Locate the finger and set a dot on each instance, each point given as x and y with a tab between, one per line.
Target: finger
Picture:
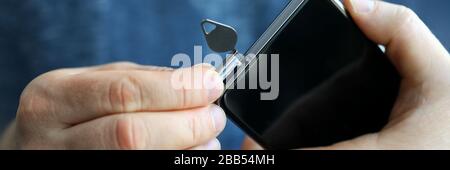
211	145
414	50
176	130
90	95
250	144
41	96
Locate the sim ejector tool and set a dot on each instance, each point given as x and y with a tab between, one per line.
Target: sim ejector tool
223	38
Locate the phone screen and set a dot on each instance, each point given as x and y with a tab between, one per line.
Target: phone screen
334	84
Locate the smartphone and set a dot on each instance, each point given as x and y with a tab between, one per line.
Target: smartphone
334	83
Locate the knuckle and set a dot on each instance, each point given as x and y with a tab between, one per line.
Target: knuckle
125	93
32	118
127	134
31	105
37	103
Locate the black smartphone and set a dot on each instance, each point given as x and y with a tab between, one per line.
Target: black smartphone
334	83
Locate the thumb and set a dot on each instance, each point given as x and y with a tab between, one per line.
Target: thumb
411	46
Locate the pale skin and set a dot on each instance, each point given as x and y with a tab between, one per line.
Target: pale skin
420	118
128	106
118	106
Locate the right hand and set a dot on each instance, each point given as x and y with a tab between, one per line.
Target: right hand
117	106
420	118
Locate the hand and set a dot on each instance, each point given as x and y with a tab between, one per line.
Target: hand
420	118
118	106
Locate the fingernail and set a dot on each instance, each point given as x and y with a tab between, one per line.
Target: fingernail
213	145
214	85
218	117
362	6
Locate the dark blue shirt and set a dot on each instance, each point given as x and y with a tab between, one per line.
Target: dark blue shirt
37	36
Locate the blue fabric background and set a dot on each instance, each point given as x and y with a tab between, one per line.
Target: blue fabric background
37	36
